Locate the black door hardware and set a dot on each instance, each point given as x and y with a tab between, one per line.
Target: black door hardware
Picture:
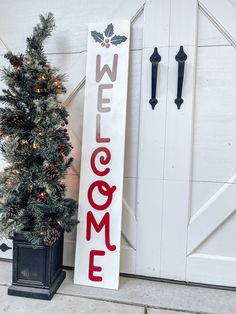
155	59
181	57
4	247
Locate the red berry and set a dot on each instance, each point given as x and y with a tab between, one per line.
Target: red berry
107	41
107	45
65	130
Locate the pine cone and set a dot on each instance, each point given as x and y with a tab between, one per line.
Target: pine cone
51	236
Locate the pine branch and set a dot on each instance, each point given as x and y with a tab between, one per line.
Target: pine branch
41	32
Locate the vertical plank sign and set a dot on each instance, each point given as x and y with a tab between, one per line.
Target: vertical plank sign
101	182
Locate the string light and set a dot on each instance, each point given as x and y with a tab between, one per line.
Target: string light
16	171
24	142
13	94
35	145
8	182
43	77
40	133
57	82
42	195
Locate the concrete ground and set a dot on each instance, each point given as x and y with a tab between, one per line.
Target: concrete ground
135	296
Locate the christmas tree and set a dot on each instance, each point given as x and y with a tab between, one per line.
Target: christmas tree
35	144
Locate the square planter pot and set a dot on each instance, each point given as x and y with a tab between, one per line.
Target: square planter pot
37	273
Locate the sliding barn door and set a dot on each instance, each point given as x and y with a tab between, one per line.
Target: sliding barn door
211	246
199	219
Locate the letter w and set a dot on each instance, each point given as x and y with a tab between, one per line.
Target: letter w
106	69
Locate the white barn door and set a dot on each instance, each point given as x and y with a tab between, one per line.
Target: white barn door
199	213
212	227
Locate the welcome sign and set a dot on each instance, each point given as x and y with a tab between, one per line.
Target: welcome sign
100	202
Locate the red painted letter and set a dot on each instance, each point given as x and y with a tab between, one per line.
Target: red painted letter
92	267
100	139
103	161
105	189
98	227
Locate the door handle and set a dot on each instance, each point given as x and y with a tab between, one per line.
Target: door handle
181	57
154	59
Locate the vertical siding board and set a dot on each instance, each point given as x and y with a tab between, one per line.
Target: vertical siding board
178	145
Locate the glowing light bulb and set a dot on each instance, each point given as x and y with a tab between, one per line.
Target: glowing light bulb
13	94
35	145
16	171
8	182
42	195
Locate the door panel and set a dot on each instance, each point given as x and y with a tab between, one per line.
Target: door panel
214	140
178	142
199	165
208	34
151	153
220	243
211	250
211	215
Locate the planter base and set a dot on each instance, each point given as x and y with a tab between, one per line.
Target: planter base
36	272
37	293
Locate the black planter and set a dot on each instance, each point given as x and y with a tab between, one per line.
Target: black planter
37	273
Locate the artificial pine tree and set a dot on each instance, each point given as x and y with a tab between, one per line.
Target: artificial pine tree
35	144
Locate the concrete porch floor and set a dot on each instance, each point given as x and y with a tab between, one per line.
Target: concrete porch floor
135	296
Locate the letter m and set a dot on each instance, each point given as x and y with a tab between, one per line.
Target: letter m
105	222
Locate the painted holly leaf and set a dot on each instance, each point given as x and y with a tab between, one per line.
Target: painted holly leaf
98	37
116	40
109	30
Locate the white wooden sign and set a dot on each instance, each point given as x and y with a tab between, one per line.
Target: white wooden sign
101	184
